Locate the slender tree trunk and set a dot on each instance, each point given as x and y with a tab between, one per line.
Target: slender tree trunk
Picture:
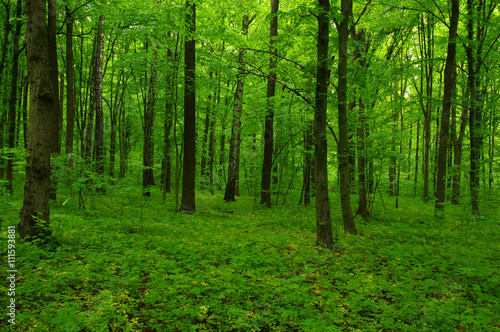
70	86
189	161
343	146
89	128
43	118
475	114
148	147
11	120
3	101
211	153
123	134
267	164
25	112
234	153
206	133
308	164
54	73
99	112
167	127
324	236
457	154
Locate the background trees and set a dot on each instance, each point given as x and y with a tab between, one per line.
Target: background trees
390	97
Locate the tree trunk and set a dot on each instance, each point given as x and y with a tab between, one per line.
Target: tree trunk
206	133
3	113
475	115
99	112
148	147
234	153
123	138
265	188
189	160
449	87
324	236
343	146
54	73
167	127
11	121
43	118
70	86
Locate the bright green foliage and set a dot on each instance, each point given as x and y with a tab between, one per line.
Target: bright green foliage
132	264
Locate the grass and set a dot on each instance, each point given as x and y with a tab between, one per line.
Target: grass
132	264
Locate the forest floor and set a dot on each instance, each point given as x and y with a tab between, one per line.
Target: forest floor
128	263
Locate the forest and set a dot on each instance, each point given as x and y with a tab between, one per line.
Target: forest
290	165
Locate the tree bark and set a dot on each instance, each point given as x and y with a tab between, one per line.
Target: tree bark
167	128
3	113
265	188
43	118
234	153
189	160
70	86
343	146
54	73
11	120
148	147
449	87
99	112
324	236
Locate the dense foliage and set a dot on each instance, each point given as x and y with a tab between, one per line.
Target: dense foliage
135	265
382	115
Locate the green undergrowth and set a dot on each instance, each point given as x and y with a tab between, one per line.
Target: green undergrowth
129	263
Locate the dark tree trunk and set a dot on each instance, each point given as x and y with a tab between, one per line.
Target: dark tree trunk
11	120
457	153
475	115
25	112
43	118
343	146
90	114
99	112
3	113
167	127
70	86
265	188
324	236
114	115
206	133
123	138
426	45
189	160
449	87
234	153
148	148
54	77
211	154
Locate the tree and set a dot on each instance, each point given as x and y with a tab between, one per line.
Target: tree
54	76
35	212
324	236
343	145
70	86
449	86
13	95
99	112
234	153
148	147
265	188
189	161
